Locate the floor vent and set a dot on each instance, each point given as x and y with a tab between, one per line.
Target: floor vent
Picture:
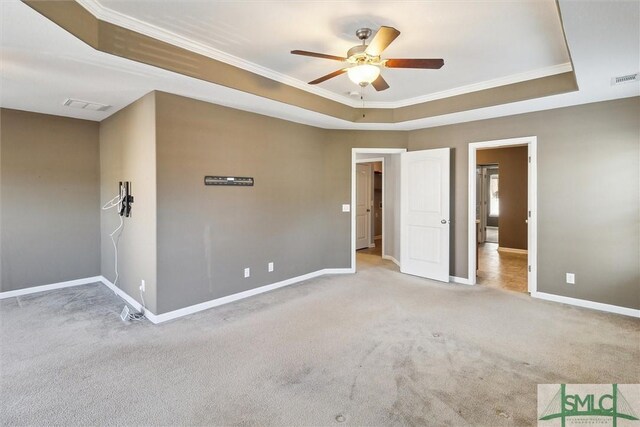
85	105
625	79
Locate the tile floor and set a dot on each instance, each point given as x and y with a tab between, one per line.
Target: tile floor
502	270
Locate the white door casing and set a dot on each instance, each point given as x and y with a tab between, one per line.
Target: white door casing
363	205
480	204
424	213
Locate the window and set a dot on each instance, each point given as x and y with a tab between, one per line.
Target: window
494	200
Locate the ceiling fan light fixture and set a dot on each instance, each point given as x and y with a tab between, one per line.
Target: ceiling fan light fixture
363	74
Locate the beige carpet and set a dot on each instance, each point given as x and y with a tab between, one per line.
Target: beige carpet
375	348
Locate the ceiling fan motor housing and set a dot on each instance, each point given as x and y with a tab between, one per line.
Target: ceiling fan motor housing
363	33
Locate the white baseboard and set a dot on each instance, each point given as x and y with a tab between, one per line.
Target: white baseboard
52	286
159	318
337	271
459	280
587	304
512	250
129	299
390	258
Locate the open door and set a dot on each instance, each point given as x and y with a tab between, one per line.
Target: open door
363	205
424	214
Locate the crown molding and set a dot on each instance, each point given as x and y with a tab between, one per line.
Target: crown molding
475	87
125	21
108	15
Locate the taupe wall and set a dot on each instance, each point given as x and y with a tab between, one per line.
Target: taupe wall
513	170
588	187
292	216
49	199
128	153
588	221
207	235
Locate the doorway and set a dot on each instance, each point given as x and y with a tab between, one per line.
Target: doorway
416	191
369	208
376	232
488	202
502	214
364	205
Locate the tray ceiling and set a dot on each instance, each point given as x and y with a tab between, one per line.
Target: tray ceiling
41	65
484	43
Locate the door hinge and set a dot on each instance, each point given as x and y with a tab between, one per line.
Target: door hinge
529	269
529	159
529	214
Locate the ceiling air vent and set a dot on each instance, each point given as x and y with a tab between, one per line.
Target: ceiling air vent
86	105
625	79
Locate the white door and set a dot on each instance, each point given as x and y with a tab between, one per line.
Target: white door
363	205
424	214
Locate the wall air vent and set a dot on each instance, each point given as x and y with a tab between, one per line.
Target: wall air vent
625	79
86	105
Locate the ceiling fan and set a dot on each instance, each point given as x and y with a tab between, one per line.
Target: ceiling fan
366	61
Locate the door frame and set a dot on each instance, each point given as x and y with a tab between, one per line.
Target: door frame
354	162
532	197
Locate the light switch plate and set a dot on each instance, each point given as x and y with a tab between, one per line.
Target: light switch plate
571	278
346	208
247	272
270	267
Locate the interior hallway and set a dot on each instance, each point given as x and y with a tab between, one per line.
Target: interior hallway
503	270
373	348
491	234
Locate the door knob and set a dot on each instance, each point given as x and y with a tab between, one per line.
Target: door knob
368	210
444	221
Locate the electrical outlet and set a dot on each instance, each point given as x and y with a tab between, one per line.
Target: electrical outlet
346	208
247	272
124	315
571	278
142	286
270	267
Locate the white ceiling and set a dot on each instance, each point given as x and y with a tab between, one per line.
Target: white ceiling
41	65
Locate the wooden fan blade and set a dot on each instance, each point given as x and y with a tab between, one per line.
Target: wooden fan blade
328	76
380	84
414	63
317	55
382	40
